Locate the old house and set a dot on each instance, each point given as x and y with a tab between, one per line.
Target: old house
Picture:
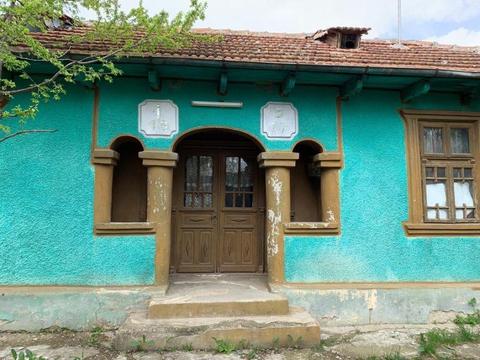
341	170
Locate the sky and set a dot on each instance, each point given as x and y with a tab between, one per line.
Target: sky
443	21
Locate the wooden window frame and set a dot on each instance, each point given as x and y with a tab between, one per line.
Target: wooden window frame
415	121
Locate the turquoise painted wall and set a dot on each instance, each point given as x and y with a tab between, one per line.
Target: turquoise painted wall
374	203
119	110
46	207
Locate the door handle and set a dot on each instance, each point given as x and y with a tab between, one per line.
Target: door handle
214	218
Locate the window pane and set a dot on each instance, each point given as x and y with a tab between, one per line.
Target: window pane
457	172
228	200
191	170
188	200
207	200
433	140
468	172
239	200
442	214
436	194
463	193
206	173
441	172
231	169
246	181
461	214
248	200
459	140
197	200
430	172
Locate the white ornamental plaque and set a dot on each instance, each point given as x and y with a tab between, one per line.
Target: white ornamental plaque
279	120
158	118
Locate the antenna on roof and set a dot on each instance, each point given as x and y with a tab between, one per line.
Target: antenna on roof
399	14
399	44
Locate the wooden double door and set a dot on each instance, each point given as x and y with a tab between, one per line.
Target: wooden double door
218	212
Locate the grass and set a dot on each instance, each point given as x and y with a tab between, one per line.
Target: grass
187	347
436	338
96	336
392	356
142	344
224	346
25	355
469	319
294	343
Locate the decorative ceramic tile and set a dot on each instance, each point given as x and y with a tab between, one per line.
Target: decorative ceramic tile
279	121
158	118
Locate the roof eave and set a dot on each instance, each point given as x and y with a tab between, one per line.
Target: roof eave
364	70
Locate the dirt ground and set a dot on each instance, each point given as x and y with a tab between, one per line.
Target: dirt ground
365	342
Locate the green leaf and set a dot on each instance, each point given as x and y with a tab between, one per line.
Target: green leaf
109	24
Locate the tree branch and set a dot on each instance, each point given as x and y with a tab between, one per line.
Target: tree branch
26	132
89	60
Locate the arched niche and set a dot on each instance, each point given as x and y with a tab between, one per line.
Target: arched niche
129	187
305	183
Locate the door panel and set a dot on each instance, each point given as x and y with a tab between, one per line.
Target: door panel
196	221
228	247
205	249
186	247
247	248
238	218
195	251
218	184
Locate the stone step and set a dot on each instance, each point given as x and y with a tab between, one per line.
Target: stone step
297	328
213	297
165	308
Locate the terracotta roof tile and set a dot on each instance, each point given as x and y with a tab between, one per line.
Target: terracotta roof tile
301	49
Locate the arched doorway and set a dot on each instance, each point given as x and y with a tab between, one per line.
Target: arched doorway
218	204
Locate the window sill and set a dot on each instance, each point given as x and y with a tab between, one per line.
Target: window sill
435	229
124	228
311	228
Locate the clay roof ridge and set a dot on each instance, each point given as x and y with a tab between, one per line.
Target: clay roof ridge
249	33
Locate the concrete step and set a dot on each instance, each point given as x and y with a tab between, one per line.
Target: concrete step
177	308
297	328
208	296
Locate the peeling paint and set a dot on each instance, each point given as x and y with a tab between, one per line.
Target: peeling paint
339	307
330	216
372	299
276	187
275	222
274	216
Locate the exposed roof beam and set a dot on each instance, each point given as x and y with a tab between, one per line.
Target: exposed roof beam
288	84
351	87
223	83
415	90
154	80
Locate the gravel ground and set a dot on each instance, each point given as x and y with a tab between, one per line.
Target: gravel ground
365	342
